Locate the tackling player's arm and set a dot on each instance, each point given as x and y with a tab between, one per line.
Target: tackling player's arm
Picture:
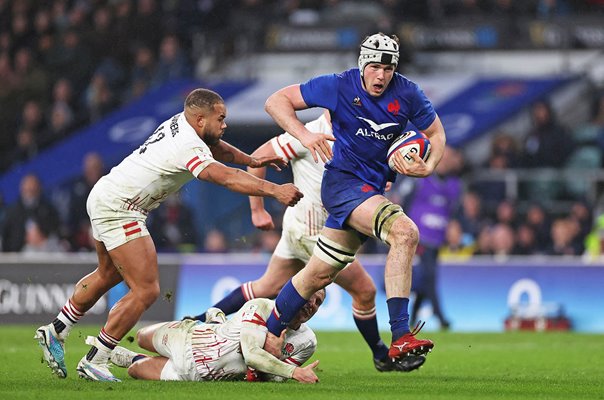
260	217
224	152
282	106
252	341
241	182
302	353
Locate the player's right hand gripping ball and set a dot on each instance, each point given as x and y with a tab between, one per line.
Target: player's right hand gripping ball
409	142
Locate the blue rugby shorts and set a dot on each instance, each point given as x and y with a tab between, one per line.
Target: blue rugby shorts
341	193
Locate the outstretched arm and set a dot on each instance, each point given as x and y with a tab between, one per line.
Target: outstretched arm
242	182
225	152
252	340
282	106
260	217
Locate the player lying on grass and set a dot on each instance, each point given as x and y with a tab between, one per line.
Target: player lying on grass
224	350
301	226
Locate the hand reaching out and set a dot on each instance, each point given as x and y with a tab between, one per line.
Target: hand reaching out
275	162
318	143
306	374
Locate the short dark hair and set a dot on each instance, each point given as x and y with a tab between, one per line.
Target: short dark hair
203	98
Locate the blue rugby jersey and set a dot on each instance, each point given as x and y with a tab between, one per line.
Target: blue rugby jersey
365	126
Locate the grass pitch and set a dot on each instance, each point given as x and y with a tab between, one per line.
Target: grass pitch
462	366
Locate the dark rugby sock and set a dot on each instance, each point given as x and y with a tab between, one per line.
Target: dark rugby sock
366	323
287	305
138	357
398	308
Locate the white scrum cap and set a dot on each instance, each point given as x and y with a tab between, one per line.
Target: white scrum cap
378	48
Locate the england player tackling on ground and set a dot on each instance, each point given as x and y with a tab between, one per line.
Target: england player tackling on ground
217	350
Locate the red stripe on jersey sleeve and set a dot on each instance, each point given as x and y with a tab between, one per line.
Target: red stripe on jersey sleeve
256	322
195	166
289	146
130	225
283	149
191	161
258	316
278	142
257	319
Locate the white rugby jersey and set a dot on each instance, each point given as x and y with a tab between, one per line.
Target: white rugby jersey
169	158
224	351
309	215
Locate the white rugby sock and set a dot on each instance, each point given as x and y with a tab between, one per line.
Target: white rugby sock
66	319
101	348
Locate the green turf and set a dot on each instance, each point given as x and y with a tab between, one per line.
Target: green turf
462	366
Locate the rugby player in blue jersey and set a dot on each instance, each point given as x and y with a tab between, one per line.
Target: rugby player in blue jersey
370	107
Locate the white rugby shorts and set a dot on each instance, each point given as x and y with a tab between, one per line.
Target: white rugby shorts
112	222
295	245
173	340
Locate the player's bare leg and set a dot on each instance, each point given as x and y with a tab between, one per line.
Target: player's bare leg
317	274
357	282
148	368
136	261
278	272
144	336
380	218
94	285
86	293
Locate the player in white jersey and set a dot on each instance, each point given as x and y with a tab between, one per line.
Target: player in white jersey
193	351
185	147
301	227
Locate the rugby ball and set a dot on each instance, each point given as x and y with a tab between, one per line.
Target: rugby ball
408	143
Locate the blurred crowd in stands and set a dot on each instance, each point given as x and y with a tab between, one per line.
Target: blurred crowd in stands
487	221
435	10
67	63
